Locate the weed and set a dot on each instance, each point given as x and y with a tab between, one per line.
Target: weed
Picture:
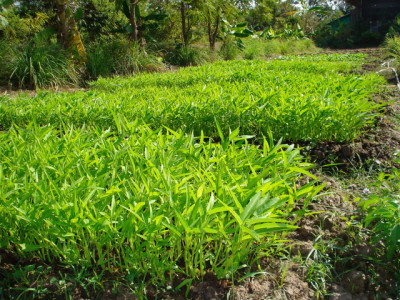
185	55
118	57
383	213
229	49
393	47
42	65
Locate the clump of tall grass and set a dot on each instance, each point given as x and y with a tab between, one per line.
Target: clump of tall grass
393	47
7	53
39	63
186	55
230	49
253	49
119	57
259	48
157	204
39	66
277	47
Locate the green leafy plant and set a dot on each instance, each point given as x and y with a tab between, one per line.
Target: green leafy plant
230	49
4	5
383	213
118	57
185	55
256	96
394	29
157	203
393	47
40	65
8	51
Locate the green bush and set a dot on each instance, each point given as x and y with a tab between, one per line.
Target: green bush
106	58
350	36
254	49
137	61
272	48
8	52
229	49
41	65
102	58
185	55
383	213
393	47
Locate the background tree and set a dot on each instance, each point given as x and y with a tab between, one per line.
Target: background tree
214	10
131	10
187	14
67	30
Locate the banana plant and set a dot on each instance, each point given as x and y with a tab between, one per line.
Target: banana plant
287	33
68	33
239	30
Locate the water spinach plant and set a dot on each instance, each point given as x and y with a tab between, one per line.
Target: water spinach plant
297	99
158	204
177	174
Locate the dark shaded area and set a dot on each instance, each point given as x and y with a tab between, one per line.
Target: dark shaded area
366	25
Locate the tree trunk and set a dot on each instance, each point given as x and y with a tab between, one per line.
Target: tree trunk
212	47
185	32
212	35
67	34
132	19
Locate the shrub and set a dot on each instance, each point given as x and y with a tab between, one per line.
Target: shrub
185	55
349	36
383	213
229	49
137	60
393	47
106	58
8	52
40	65
254	49
102	59
272	48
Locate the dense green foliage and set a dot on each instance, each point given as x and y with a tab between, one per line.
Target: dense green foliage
84	181
154	203
103	38
382	213
299	99
393	47
349	36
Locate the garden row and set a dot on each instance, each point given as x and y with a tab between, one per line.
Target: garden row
296	99
125	176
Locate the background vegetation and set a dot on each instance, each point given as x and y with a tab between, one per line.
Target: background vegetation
65	43
161	180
